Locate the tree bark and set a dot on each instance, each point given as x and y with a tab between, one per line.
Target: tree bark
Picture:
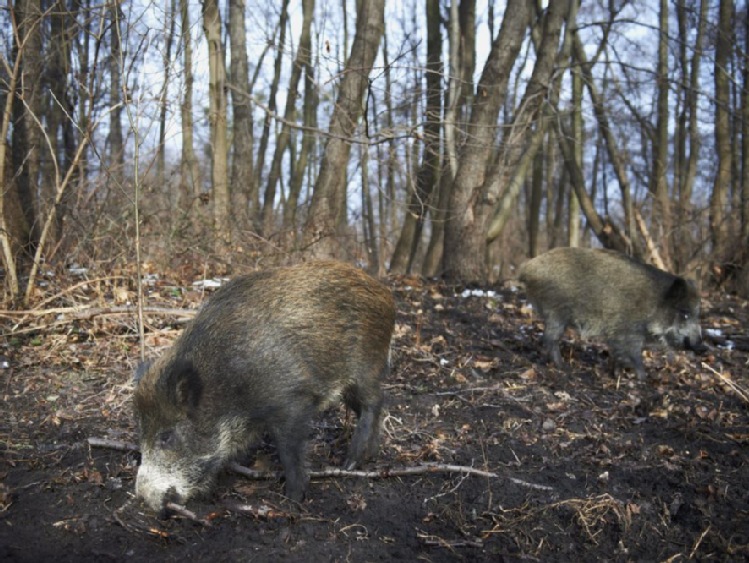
510	167
722	131
658	181
427	177
462	35
282	141
300	167
242	172
463	255
217	120
326	213
190	184
265	135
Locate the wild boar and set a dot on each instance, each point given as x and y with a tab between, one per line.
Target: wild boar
607	294
266	352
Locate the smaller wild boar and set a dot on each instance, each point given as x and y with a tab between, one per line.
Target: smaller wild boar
607	294
266	351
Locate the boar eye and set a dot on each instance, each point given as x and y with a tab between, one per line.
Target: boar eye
684	315
166	440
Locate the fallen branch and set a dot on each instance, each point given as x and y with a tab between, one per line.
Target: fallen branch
113	445
379	474
383	473
260	512
85	313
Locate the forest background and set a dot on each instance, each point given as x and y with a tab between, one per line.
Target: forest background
433	137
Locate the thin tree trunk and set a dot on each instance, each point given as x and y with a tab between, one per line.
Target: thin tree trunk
464	246
658	180
427	177
300	62
115	139
299	169
22	207
722	131
326	213
460	71
534	203
190	185
510	167
573	207
242	172
167	60
615	155
265	135
217	120
745	150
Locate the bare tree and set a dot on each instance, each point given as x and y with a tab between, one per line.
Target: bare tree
217	118
242	173
722	130
282	141
463	255
327	214
190	173
658	180
428	175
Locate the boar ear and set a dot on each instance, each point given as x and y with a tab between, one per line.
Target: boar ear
182	384
678	292
141	370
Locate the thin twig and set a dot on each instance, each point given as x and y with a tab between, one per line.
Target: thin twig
698	542
736	388
180	510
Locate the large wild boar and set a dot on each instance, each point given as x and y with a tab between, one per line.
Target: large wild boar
607	294
265	353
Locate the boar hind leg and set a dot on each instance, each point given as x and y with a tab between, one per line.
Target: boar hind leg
366	401
553	331
291	440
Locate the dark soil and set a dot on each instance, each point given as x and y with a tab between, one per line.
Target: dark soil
587	466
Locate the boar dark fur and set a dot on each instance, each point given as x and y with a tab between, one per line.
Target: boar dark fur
265	353
607	294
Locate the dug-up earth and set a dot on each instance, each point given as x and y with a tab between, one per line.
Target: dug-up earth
488	453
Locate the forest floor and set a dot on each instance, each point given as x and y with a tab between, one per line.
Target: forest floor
511	459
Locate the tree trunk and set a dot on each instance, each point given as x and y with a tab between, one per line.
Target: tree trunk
573	222
167	60
300	166
60	110
658	180
217	120
264	137
464	245
510	166
427	177
461	63
242	172
21	181
745	151
116	158
534	203
190	185
326	214
722	131
615	155
282	141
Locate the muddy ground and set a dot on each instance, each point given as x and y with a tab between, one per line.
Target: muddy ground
567	466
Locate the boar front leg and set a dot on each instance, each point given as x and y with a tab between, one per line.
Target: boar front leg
553	331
